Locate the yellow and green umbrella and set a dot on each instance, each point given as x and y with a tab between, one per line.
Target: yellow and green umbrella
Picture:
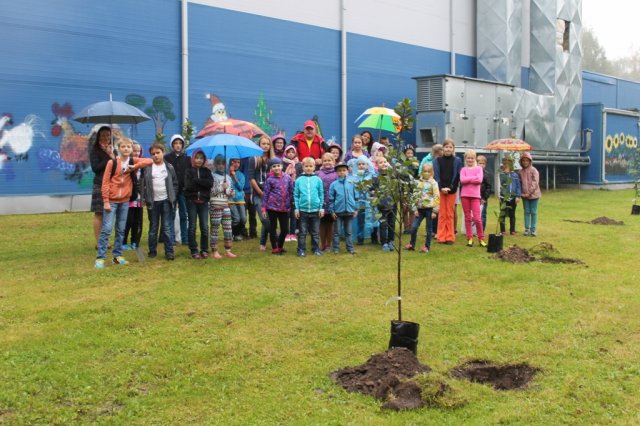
379	118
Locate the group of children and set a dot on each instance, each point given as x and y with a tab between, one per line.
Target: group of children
296	198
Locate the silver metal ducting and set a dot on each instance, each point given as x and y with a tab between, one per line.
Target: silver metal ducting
499	40
542	68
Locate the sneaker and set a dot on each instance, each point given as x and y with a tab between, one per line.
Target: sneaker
317	253
424	249
469	243
385	248
196	256
119	260
276	251
533	233
392	246
204	254
409	247
513	232
301	253
293	237
287	238
99	264
237	238
127	247
526	233
152	254
263	248
170	257
483	243
134	246
352	252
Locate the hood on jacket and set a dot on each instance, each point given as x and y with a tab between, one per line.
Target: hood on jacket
526	155
193	157
290	146
279	153
177	137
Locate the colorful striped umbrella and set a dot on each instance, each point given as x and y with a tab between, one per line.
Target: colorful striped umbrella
508	144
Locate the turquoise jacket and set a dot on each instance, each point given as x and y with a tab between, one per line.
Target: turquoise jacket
342	196
308	194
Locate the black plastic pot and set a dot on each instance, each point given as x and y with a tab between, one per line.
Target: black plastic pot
404	334
495	243
635	209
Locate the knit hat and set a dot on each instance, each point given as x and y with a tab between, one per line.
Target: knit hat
274	161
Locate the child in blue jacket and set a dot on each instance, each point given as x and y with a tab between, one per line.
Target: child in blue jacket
308	197
342	206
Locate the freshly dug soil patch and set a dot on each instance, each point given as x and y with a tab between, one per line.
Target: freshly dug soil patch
603	220
382	375
561	260
515	254
501	377
406	396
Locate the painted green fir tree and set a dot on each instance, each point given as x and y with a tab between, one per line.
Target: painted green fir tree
263	116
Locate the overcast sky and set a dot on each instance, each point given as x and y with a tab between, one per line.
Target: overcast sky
614	22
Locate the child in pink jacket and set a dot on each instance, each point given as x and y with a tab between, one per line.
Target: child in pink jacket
470	182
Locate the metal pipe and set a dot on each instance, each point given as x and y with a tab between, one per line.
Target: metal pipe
453	54
561	163
185	60
343	77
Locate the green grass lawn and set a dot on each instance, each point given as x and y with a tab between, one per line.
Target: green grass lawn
252	340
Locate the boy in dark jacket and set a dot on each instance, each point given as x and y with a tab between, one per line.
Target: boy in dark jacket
159	189
387	209
181	162
197	190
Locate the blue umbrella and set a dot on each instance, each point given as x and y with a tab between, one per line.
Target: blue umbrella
231	146
111	112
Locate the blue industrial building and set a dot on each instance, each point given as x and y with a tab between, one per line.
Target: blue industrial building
276	63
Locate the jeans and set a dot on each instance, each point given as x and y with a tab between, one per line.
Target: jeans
181	204
257	203
199	212
164	210
238	218
119	212
530	213
422	214
309	223
344	219
387	226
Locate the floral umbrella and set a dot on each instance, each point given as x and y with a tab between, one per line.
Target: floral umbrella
508	144
233	127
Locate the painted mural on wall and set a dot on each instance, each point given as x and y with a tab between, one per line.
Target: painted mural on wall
160	110
15	143
618	154
220	122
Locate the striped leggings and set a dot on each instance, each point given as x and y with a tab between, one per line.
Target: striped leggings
218	215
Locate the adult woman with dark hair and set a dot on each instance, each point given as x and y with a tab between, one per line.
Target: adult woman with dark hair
100	152
367	140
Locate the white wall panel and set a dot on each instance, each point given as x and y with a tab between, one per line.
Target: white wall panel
422	23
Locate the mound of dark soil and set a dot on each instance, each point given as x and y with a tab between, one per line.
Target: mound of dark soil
501	377
381	374
603	220
515	254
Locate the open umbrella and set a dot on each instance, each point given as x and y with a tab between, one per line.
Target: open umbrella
111	112
508	144
231	146
231	126
379	118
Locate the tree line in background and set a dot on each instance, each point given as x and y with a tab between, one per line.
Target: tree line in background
595	59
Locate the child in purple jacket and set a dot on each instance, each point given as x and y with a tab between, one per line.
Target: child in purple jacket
276	203
327	175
